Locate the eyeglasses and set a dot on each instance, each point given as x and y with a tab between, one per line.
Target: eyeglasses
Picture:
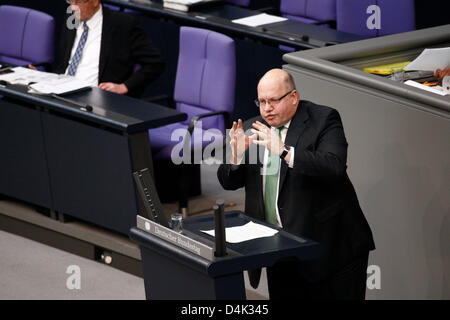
272	102
76	1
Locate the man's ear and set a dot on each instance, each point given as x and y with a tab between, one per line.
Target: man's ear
296	97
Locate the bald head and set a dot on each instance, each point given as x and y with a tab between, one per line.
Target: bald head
278	76
277	97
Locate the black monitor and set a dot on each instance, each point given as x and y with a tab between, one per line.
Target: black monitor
147	190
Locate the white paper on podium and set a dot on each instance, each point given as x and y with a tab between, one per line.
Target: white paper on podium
259	20
430	60
246	232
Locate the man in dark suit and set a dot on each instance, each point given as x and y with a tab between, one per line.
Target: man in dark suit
108	49
301	184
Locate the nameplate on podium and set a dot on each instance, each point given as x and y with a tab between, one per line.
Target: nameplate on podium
174	237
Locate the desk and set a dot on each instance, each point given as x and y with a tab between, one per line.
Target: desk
398	157
74	162
257	49
218	17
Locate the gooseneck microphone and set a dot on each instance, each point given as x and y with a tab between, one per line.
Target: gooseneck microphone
219	229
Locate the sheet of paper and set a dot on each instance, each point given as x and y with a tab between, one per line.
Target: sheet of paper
436	89
59	85
430	60
43	82
259	20
24	76
248	231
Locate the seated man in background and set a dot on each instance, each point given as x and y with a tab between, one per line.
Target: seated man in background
108	49
304	188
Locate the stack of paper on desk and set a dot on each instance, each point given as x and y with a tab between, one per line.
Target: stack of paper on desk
60	85
259	20
248	231
44	82
430	60
185	5
24	76
436	89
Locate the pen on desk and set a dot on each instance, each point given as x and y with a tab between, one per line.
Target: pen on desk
83	107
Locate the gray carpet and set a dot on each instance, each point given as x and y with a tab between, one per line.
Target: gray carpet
30	270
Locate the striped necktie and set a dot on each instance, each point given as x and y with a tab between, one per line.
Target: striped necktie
79	52
271	187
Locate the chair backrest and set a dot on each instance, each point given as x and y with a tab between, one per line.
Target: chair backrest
394	16
308	11
26	36
117	8
206	75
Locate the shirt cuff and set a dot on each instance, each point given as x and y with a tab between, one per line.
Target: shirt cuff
236	166
291	160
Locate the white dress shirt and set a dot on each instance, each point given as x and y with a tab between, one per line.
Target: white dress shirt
88	67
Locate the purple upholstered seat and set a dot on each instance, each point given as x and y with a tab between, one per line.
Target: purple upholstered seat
308	11
117	8
205	83
395	16
26	36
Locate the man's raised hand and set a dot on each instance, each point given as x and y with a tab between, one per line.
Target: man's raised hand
239	142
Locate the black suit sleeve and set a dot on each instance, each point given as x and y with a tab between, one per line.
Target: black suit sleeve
328	156
146	56
231	179
64	49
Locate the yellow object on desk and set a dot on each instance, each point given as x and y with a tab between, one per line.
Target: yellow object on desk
387	68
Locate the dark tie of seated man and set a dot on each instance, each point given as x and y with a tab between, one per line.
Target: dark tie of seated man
300	183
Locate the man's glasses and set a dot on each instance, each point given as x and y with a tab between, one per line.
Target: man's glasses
272	102
76	1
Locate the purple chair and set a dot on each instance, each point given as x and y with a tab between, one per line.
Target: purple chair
26	36
117	8
204	89
395	16
320	12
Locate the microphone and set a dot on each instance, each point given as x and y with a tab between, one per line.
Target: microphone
219	229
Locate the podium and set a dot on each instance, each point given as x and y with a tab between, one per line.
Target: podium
183	266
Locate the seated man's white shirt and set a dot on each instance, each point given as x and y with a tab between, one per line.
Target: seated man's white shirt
88	66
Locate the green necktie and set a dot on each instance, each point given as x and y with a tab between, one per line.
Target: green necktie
270	198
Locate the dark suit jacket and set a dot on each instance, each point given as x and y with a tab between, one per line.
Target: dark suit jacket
124	45
316	198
